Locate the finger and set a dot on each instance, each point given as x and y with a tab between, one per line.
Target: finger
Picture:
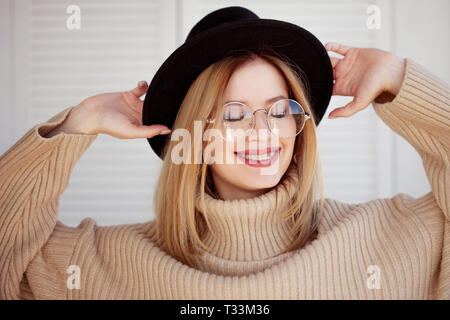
337	47
139	104
143	131
354	106
133	101
334	61
140	89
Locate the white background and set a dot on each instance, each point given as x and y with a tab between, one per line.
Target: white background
45	68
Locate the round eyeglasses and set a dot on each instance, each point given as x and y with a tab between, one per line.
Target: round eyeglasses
286	119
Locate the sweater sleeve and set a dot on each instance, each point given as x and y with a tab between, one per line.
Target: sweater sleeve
420	113
33	174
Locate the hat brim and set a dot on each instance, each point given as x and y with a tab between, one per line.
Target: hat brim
173	79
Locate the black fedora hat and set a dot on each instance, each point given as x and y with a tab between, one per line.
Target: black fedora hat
222	31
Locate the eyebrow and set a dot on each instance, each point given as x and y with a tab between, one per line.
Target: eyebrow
267	101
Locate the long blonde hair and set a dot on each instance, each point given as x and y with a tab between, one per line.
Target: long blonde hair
180	226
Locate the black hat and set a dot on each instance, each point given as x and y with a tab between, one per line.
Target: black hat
224	30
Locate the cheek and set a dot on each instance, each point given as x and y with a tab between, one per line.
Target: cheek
227	152
223	153
288	147
218	150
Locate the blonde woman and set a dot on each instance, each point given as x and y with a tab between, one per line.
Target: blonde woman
226	230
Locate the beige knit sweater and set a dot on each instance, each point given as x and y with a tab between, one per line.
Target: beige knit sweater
390	248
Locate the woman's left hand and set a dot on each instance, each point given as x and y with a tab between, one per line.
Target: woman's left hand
364	73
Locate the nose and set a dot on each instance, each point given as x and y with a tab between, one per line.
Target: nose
260	119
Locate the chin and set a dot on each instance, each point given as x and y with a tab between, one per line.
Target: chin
259	182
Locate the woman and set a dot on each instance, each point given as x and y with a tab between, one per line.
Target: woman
232	230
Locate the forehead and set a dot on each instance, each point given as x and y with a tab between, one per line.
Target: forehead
256	81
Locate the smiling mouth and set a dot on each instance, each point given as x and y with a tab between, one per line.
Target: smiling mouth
259	158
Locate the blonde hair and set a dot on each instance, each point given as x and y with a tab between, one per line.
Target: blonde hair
180	226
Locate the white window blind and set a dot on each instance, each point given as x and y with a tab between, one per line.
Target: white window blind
355	152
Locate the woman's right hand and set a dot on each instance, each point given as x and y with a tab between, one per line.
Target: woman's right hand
118	114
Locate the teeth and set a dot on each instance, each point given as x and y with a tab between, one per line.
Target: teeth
261	157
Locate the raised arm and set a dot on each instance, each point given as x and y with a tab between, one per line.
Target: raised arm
420	113
415	104
33	174
35	171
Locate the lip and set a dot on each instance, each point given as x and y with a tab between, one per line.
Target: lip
259	163
258	151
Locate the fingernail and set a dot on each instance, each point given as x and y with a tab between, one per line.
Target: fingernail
141	84
165	131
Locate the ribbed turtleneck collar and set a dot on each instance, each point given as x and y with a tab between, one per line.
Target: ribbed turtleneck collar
248	230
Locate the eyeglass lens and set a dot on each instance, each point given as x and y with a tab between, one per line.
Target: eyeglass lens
285	118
